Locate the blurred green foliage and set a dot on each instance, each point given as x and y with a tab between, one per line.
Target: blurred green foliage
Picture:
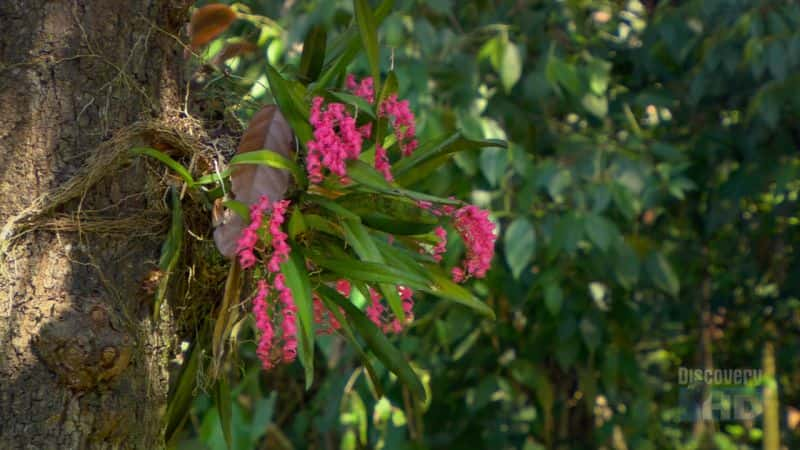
648	215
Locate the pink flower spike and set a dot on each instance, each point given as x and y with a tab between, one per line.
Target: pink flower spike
479	236
264	324
249	237
280	248
403	122
289	325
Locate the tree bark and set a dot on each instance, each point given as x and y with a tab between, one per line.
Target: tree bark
82	365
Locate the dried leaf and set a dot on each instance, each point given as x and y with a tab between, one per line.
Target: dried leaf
232	50
268	130
209	22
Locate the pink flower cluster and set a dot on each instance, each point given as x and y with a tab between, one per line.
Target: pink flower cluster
403	122
280	253
264	324
380	316
280	249
364	89
336	139
249	237
478	233
289	324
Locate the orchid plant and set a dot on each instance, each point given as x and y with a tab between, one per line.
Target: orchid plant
318	208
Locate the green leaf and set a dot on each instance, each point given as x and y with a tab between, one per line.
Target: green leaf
661	273
601	231
332	206
348	333
553	297
347	45
362	105
313	53
626	265
597	105
443	287
456	142
511	66
164	158
363	173
297	223
182	393
213	177
520	245
371	272
223	400
240	208
358	236
294	269
368	29
494	162
377	342
170	251
390	86
296	114
393	215
272	159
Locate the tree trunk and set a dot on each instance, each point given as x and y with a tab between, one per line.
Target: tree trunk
82	365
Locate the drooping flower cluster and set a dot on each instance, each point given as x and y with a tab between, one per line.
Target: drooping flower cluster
261	309
249	237
403	122
263	322
478	233
336	140
280	249
289	324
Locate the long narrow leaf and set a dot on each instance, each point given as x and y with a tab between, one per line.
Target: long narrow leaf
377	342
368	30
443	287
170	251
313	53
290	109
222	400
456	142
358	236
347	331
294	269
272	159
372	272
164	158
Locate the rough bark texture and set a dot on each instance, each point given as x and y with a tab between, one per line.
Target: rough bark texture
81	363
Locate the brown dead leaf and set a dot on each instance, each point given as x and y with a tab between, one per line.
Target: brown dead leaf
209	22
233	50
268	130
